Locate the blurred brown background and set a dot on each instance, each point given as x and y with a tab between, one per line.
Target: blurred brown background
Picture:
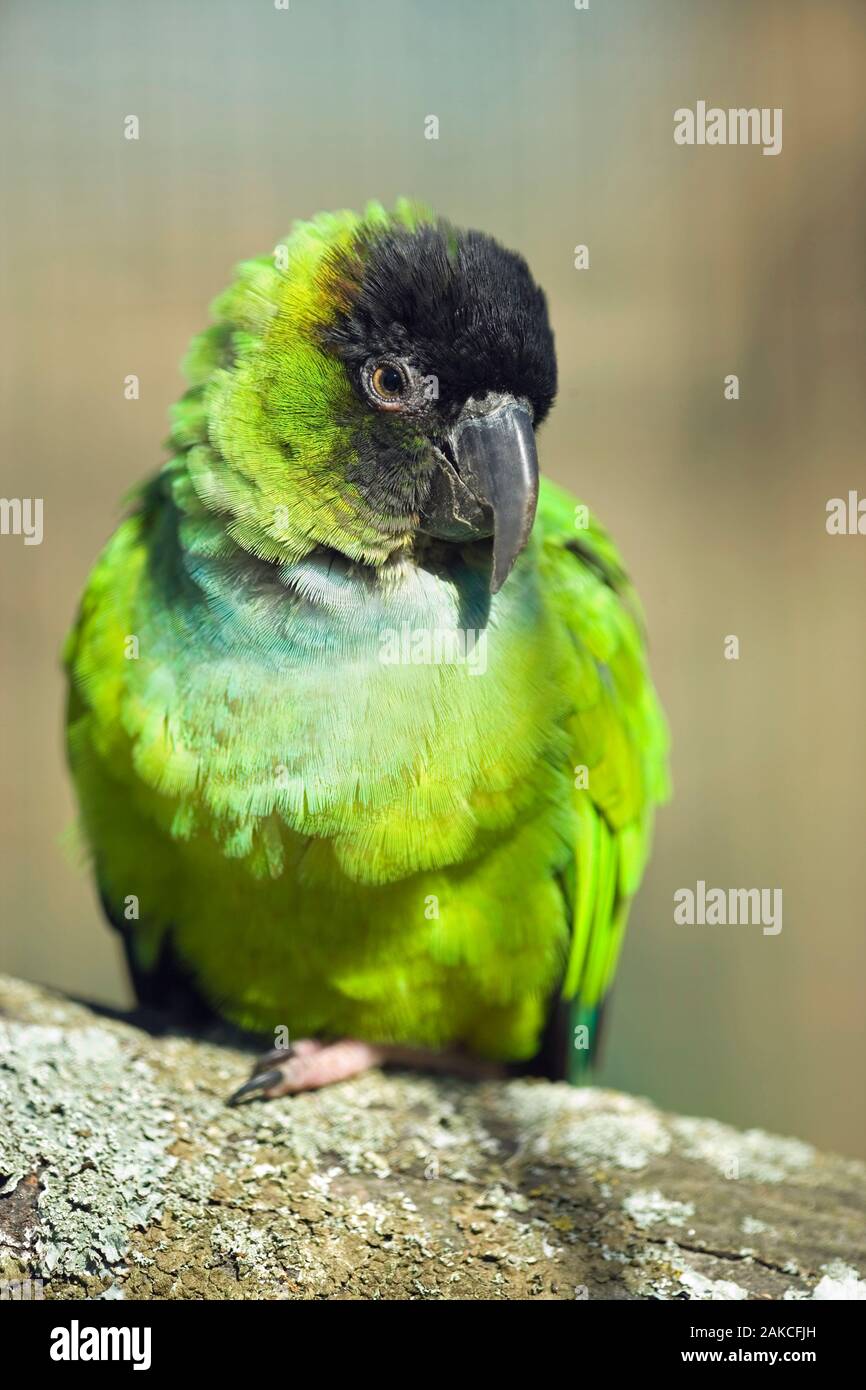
556	128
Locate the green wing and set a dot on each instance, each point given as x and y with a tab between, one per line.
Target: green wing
619	742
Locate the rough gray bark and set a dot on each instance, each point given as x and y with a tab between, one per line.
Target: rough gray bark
124	1174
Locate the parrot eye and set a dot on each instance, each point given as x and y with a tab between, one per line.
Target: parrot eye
387	383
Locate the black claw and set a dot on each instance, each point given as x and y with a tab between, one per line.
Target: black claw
276	1054
256	1084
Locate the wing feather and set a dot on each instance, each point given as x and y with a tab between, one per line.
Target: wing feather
618	733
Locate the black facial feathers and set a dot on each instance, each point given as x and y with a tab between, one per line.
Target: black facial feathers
458	306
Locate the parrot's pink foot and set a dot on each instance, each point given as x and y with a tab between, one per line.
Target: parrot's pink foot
308	1065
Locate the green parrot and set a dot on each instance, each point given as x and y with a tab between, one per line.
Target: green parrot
360	720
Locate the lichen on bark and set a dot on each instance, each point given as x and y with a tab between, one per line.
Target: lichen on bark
123	1174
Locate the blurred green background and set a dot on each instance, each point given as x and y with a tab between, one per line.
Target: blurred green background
556	128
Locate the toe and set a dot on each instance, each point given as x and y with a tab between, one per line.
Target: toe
307	1066
259	1084
272	1074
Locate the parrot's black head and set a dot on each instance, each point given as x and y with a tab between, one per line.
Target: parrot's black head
446	340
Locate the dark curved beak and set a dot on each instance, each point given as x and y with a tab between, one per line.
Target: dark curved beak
489	485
